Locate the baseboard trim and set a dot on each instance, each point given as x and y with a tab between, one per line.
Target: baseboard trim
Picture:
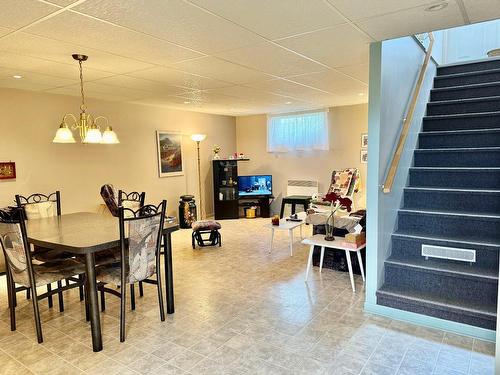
431	322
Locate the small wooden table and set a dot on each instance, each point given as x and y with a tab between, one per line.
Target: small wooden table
319	240
85	233
289	226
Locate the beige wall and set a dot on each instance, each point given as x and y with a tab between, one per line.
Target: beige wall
346	126
28	122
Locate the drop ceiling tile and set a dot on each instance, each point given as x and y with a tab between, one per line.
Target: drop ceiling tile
222	70
22	85
53	50
62	3
360	72
89	32
19	13
5	31
98	90
249	94
33	78
288	88
48	68
332	82
411	21
157	88
173	20
173	77
277	18
271	59
482	10
359	9
338	46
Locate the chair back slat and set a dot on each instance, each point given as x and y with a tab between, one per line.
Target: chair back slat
39	205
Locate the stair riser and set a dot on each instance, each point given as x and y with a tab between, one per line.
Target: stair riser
462	123
467	80
473	92
427	140
472	228
455	179
463	107
479	320
441	285
450	201
485	65
457	159
404	247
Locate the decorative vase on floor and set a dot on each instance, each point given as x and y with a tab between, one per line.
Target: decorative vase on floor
330	227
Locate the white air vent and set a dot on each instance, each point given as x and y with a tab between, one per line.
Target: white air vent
463	255
302	187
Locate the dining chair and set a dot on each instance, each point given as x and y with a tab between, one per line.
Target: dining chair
36	206
21	270
140	241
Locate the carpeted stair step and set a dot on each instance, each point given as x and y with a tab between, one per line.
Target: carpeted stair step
450	280
470	121
426	303
409	246
480	90
452	200
459	138
435	223
455	178
471	66
461	106
468	78
457	157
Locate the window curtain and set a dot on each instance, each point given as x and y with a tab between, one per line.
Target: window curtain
298	132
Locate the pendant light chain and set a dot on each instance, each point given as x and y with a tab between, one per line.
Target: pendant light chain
82	107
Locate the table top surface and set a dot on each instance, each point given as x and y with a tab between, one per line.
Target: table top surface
285	224
319	240
298	197
79	233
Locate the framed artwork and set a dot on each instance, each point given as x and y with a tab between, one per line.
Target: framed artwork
170	156
364	156
7	170
364	140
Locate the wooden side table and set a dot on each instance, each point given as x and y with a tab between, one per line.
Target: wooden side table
302	200
319	240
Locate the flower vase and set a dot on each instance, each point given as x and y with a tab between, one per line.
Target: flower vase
330	227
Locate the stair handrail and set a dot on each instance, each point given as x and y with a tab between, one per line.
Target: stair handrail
391	174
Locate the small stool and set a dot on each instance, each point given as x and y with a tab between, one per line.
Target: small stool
303	200
209	227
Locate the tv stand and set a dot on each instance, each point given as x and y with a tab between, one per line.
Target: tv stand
261	201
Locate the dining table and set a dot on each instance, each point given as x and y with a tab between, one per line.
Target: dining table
85	234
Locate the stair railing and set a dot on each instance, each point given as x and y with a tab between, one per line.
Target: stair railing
393	168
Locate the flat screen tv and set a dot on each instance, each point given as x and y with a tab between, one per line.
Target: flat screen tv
255	185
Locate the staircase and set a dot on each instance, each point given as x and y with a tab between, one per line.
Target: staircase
452	200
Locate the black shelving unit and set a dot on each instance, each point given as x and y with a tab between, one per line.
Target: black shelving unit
225	173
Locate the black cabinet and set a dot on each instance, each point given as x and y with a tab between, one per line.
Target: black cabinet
225	174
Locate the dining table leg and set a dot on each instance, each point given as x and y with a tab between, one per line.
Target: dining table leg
169	273
95	323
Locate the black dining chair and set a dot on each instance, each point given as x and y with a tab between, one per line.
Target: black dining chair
140	241
36	206
22	271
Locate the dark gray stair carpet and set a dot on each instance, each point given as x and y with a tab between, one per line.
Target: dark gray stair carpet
452	200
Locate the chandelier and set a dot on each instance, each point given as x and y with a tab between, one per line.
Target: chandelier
87	125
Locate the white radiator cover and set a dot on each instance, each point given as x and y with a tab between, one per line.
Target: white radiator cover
441	252
302	187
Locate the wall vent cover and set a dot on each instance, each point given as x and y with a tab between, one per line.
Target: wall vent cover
463	255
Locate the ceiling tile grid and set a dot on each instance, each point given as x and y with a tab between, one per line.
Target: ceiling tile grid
215	56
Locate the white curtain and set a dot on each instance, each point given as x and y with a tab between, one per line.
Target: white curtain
298	132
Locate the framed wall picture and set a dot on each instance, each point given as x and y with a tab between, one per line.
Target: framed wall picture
364	156
170	156
7	170
364	140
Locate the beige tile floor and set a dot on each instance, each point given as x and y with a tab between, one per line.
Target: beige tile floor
239	310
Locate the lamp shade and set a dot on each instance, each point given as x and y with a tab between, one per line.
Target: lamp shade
109	137
198	137
93	135
64	135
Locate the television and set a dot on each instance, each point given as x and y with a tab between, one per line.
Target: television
255	185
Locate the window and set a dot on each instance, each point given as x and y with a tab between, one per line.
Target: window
298	132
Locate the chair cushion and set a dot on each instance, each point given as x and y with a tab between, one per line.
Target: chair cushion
40	210
109	256
47	273
206	225
43	254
